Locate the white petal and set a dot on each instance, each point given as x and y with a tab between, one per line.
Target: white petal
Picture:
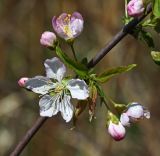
49	105
76	27
135	110
147	114
55	68
39	84
66	108
124	119
78	89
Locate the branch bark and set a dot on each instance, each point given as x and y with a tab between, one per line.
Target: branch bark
28	136
116	39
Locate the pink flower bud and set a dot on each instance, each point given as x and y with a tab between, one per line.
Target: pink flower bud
68	26
48	39
135	8
117	131
22	81
134	112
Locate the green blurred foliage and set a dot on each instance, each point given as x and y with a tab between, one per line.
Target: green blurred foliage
21	25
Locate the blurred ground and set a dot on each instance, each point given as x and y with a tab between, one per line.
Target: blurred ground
21	25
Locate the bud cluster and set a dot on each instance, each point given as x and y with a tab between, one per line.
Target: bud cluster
132	114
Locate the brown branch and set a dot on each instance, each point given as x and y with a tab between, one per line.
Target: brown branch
28	136
118	37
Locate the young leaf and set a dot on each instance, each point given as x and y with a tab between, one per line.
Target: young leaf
141	34
157	25
156	56
156	8
113	72
146	38
79	68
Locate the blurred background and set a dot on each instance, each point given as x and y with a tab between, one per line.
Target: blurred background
21	25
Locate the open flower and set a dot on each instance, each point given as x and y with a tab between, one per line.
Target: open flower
57	91
68	26
135	8
117	131
134	112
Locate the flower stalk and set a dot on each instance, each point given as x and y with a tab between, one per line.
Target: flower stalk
73	51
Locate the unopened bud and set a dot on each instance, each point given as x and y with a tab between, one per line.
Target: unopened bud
135	110
48	39
124	119
22	81
117	131
135	8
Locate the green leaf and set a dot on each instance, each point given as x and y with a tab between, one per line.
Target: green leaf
157	25
79	68
152	22
146	38
107	75
156	8
156	56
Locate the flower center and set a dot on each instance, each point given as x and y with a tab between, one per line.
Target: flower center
60	87
66	27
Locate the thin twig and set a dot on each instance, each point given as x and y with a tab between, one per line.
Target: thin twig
28	136
118	37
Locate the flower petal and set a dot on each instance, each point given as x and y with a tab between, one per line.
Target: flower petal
49	105
55	68
39	84
76	27
76	15
124	119
59	23
66	108
78	89
117	131
135	110
76	24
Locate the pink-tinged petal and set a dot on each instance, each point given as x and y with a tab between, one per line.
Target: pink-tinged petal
68	26
63	19
54	24
76	15
117	131
59	27
76	27
22	81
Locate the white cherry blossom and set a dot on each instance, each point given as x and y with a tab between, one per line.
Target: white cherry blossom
57	91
